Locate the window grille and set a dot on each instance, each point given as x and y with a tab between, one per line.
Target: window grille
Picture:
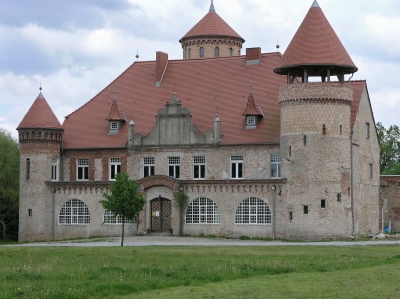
148	167
114	125
203	210
251	120
275	166
199	167
236	167
115	167
108	219
174	167
74	211
253	210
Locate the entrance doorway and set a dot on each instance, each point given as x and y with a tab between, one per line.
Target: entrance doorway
161	210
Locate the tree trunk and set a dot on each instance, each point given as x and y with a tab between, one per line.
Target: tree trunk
181	224
4	229
123	230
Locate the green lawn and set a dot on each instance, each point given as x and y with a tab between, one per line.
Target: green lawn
200	272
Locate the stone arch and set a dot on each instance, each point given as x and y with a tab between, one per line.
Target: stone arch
159	180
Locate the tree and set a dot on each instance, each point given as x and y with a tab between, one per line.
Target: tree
389	140
9	185
181	200
124	200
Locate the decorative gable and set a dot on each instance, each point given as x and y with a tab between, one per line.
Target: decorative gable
252	112
116	117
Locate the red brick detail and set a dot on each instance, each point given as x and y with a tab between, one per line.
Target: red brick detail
161	63
253	54
159	180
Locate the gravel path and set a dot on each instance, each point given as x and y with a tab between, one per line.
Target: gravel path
193	241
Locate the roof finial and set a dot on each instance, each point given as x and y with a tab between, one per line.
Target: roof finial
251	88
277	45
315	4
115	96
212	9
40	85
137	55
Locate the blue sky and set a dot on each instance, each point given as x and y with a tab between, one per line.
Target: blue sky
75	48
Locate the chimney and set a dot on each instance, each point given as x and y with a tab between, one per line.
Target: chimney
253	56
131	133
217	129
161	66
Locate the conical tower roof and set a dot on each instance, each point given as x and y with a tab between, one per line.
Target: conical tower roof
212	25
40	116
316	44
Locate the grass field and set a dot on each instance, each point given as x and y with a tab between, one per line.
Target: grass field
200	272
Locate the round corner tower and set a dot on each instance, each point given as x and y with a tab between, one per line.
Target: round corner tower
40	137
211	37
316	131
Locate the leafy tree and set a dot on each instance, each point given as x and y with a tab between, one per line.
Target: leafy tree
181	200
9	185
389	140
124	200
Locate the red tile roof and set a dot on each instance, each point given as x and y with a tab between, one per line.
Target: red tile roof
205	86
212	25
115	114
316	43
251	108
40	115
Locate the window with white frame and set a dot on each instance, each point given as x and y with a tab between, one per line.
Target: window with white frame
275	166
114	125
199	167
54	169
108	219
82	172
148	167
174	167
251	121
74	211
236	167
115	167
203	210
253	210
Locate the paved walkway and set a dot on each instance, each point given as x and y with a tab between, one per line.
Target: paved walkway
193	241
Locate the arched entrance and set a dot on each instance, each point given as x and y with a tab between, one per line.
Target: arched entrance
161	211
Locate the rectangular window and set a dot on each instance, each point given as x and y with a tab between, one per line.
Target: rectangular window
82	169
367	130
348	191
305	140
115	167
323	204
114	125
290	216
290	151
236	167
251	120
174	167
148	167
199	167
305	209
370	171
28	169
275	166
30	212
54	169
340	129
339	197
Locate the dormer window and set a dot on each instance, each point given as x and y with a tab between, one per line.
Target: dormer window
251	121
116	117
114	127
253	112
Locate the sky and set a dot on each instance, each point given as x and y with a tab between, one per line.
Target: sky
75	48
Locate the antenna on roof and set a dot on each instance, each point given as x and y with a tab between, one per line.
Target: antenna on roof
277	45
137	55
212	9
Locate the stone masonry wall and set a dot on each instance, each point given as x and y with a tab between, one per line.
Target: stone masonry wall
209	45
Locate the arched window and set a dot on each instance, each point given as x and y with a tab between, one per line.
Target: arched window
28	168
202	210
190	53
201	52
216	51
230	51
74	211
253	210
108	219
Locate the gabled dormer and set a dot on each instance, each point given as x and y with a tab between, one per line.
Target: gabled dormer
253	112
116	117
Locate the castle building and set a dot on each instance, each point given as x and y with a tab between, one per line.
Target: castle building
260	150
